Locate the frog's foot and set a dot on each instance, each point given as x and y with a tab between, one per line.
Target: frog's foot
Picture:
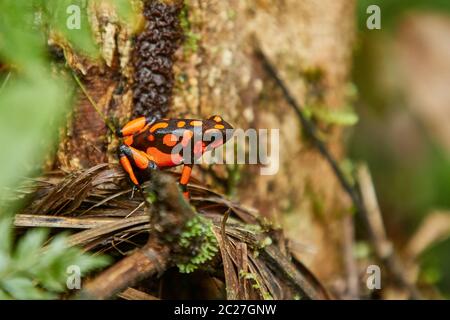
185	176
132	159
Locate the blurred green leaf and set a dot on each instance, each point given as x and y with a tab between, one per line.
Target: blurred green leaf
28	246
30	109
435	266
125	10
33	101
5	237
69	17
52	266
391	10
23	289
20	43
31	271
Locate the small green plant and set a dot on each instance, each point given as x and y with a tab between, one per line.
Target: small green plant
256	285
30	270
198	237
346	117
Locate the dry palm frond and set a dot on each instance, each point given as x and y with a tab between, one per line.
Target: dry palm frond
99	201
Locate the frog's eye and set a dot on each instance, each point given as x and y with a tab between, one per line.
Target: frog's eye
217	119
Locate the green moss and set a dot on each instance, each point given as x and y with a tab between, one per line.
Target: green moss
197	238
348	168
256	285
151	197
313	75
362	250
317	203
344	117
191	38
254	228
267	241
231	14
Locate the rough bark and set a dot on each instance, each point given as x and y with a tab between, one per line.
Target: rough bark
216	72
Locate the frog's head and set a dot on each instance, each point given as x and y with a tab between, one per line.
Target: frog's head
216	131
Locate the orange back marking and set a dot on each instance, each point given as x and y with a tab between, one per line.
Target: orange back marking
181	124
170	140
196	123
159	125
164	159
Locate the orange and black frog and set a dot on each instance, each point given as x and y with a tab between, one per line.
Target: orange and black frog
150	144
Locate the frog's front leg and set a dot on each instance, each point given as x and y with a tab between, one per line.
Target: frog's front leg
185	176
130	157
135	126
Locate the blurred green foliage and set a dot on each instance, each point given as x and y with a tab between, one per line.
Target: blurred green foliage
35	96
435	268
32	271
420	182
392	9
411	171
32	101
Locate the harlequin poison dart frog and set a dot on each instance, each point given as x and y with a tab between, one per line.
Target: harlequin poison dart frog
150	144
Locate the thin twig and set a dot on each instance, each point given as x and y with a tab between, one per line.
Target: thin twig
136	209
133	294
435	228
223	227
383	247
373	213
92	234
349	258
98	204
33	220
143	263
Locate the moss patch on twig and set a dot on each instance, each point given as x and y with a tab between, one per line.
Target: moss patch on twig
197	238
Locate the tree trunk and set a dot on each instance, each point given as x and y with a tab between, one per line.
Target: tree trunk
215	71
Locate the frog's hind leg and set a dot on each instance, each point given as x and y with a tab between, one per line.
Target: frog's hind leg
185	176
131	158
135	125
126	164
